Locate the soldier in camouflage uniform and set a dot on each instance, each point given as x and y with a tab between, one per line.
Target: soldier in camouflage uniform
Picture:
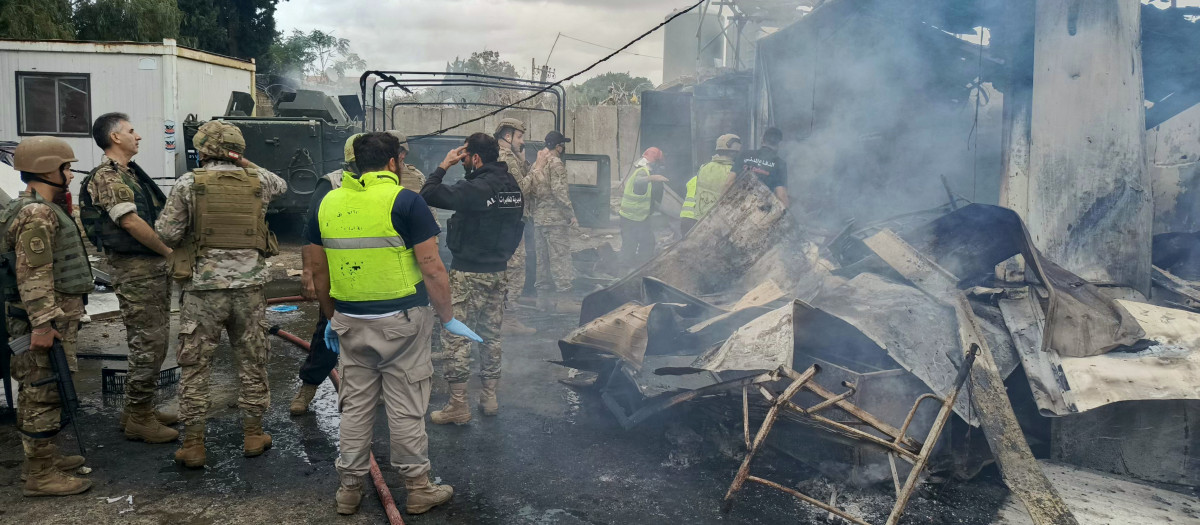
45	278
554	219
118	207
510	134
215	221
483	234
321	360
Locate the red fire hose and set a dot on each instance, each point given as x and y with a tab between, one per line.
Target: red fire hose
385	495
290	299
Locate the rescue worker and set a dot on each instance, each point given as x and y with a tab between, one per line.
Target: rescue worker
554	220
483	234
375	276
321	360
766	164
510	134
637	203
215	220
45	276
118	205
706	187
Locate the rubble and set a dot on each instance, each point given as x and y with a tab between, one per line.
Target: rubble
750	294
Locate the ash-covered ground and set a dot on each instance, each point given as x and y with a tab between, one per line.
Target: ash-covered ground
554	455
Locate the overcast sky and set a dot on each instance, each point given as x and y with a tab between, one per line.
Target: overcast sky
425	34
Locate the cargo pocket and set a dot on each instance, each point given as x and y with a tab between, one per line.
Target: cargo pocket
188	353
420	372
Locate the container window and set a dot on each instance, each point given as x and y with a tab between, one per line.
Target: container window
54	104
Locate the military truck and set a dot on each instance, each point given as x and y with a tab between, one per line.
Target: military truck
302	142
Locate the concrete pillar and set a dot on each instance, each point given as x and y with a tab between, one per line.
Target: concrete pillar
1089	198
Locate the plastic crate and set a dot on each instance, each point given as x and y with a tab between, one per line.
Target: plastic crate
112	380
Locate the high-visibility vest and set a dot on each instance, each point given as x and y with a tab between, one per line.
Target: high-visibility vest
368	260
705	188
636	206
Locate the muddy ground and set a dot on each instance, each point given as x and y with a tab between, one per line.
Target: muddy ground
553	456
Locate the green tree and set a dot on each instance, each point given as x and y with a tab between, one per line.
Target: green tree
608	89
36	19
132	20
239	28
482	62
313	54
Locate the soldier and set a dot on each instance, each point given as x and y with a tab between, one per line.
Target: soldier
484	232
215	221
118	206
510	134
45	278
554	219
321	360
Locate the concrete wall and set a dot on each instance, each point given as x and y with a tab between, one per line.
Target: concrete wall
1090	206
1173	151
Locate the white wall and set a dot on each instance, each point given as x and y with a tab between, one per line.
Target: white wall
117	84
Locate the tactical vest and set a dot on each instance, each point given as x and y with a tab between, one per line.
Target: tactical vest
635	206
705	188
228	212
106	234
71	269
368	260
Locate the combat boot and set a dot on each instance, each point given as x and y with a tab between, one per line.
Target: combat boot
191	454
162	417
514	326
424	495
349	494
144	426
303	398
62	463
457	410
255	441
44	478
487	397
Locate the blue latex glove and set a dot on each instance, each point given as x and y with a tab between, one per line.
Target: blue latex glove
456	327
331	339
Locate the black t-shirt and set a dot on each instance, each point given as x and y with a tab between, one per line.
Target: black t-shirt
766	164
412	220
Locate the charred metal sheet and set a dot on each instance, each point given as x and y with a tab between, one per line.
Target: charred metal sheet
766	343
748	236
1025	321
621	334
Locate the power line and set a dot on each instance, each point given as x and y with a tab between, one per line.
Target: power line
572	76
564	35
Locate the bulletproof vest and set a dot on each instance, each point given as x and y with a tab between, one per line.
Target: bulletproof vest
72	271
228	212
494	232
106	234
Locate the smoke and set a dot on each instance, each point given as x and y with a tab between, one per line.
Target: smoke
875	111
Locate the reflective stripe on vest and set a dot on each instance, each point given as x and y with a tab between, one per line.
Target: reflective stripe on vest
368	260
71	269
705	189
635	206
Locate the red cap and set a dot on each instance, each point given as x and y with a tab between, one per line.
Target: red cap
653	155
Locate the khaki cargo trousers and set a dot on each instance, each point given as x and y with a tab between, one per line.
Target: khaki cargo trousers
388	358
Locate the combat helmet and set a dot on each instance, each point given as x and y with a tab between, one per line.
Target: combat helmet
510	123
42	154
219	140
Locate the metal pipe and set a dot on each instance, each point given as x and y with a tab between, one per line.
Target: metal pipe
388	77
559	96
385	494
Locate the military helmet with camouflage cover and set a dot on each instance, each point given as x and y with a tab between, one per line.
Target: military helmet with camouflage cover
219	140
42	154
510	123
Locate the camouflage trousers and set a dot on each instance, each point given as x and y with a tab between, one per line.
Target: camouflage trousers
204	314
516	273
479	303
554	258
146	310
39	410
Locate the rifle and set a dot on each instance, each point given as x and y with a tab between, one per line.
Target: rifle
66	389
